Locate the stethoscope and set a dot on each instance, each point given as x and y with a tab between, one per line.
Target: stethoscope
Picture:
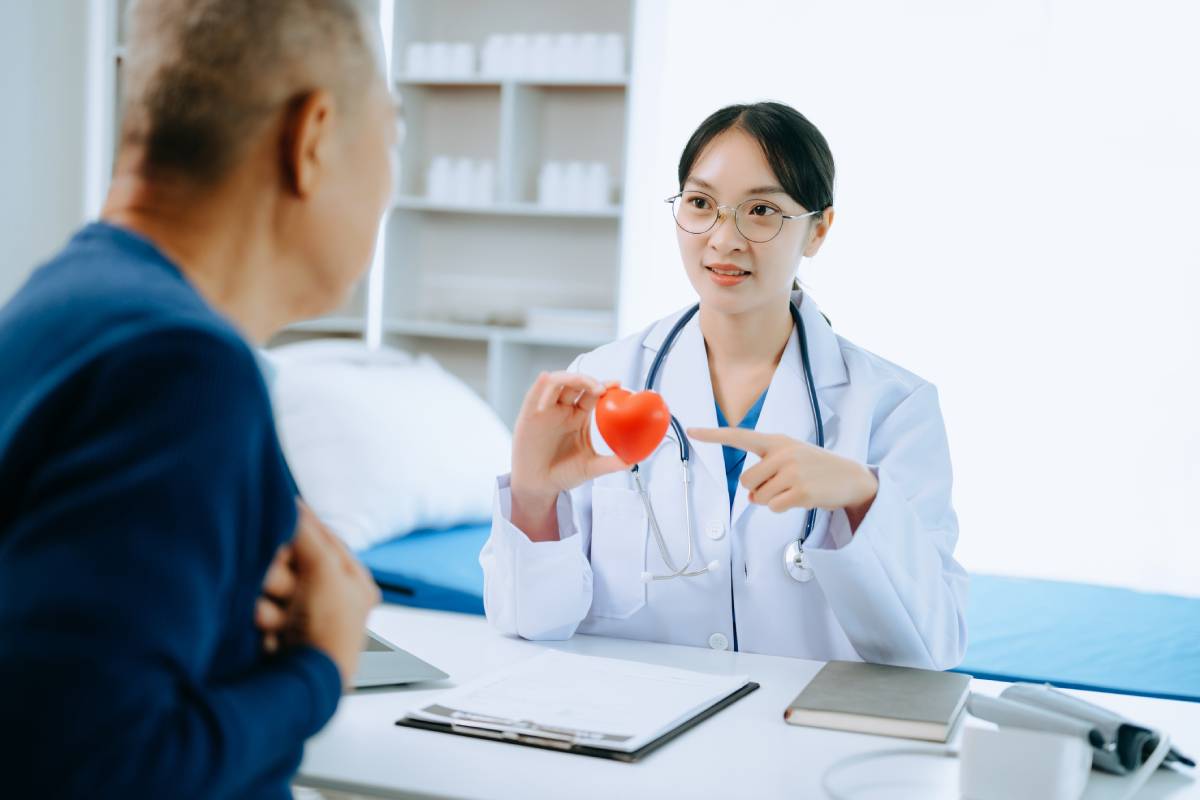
794	559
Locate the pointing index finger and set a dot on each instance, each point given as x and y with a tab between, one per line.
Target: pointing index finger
742	439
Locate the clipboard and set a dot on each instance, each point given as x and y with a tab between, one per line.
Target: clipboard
566	746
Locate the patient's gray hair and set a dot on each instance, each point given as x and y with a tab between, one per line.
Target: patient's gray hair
203	76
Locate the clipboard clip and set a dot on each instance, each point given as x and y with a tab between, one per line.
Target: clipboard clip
521	730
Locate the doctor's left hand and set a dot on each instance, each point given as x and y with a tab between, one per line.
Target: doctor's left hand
795	474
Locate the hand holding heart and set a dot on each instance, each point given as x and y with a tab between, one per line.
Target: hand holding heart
552	451
795	474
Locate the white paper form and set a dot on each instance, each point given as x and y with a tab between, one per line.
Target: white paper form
589	700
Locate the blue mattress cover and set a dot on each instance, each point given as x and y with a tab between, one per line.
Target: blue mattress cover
436	569
1084	636
1074	635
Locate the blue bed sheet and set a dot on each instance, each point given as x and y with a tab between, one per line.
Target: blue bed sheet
436	569
1070	634
1083	636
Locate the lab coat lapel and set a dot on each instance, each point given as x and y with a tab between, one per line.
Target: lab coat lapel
687	387
786	409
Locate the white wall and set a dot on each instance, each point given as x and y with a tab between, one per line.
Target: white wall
1018	214
42	48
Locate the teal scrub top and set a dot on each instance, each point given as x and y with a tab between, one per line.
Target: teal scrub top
734	458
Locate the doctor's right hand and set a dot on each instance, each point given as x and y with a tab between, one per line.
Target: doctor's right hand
552	449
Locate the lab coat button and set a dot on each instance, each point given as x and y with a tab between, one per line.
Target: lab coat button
718	641
715	530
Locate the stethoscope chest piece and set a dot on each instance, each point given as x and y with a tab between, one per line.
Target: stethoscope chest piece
796	563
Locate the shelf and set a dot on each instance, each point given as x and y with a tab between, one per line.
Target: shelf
484	81
411	203
436	329
338	325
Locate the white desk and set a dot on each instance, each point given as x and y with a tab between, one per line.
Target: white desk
747	750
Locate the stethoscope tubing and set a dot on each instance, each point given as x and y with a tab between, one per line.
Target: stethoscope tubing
685	446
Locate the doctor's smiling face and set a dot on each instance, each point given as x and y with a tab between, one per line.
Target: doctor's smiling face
746	261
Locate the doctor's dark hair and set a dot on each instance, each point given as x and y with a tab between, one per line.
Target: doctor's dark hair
796	151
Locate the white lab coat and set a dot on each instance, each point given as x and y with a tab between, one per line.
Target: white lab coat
890	593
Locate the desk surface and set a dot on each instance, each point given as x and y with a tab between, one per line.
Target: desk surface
745	751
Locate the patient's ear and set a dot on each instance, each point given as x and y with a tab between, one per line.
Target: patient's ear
308	128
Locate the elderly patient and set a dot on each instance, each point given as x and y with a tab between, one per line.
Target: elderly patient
144	499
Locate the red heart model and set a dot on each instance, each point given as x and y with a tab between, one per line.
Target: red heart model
632	424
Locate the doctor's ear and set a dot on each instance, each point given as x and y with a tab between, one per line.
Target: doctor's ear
819	231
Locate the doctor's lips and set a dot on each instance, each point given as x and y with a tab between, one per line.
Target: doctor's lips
726	274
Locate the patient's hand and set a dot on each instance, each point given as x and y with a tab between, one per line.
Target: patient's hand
278	587
317	593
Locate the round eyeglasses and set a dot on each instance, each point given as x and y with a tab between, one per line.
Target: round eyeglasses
757	220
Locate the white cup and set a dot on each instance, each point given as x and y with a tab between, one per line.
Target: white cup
439	60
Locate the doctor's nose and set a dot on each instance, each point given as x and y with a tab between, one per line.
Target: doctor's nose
724	236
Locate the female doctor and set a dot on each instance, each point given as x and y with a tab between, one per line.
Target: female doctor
805	512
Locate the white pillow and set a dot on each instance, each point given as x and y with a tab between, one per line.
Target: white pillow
382	443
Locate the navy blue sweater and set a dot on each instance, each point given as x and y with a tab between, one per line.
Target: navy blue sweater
142	495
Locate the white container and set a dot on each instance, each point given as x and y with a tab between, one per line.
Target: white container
541	56
575	185
416	60
483	191
597	183
560	56
1031	765
566	56
462	60
438	180
439	60
589	56
463	182
520	57
490	56
612	56
550	185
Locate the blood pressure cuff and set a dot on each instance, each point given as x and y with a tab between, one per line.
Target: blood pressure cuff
1119	745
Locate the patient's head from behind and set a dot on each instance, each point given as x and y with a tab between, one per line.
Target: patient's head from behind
255	148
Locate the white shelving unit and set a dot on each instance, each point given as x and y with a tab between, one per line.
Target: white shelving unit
458	280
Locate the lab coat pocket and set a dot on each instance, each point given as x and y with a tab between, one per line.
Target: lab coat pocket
618	552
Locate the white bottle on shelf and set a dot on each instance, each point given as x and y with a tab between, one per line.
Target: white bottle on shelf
589	56
560	56
416	60
489	56
541	56
520	59
612	56
484	184
462	60
575	185
438	179
439	60
463	181
597	185
550	185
